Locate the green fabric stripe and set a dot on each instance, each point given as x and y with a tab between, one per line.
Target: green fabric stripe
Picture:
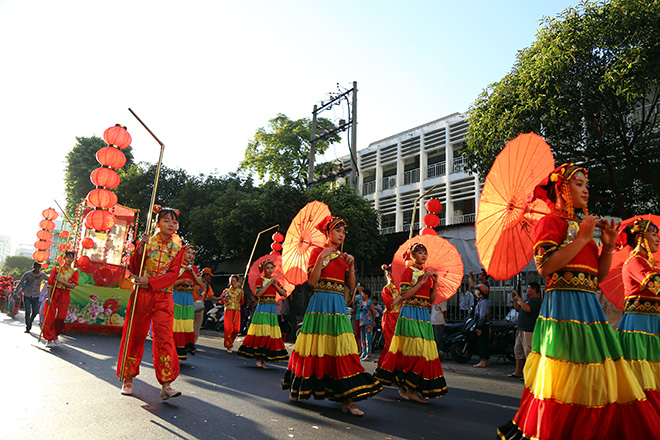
321	323
638	346
264	318
414	329
575	342
184	312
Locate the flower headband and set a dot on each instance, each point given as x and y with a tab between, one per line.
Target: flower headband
638	227
407	255
557	177
158	208
263	264
329	223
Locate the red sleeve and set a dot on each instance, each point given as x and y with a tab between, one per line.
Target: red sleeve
406	278
387	297
74	278
168	278
51	278
196	270
259	283
136	258
550	233
644	275
312	259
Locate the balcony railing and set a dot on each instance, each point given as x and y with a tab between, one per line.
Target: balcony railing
406	227
388	230
459	165
368	187
411	176
436	170
389	182
465	218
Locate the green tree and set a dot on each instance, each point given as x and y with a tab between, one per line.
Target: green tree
589	85
16	265
281	152
80	162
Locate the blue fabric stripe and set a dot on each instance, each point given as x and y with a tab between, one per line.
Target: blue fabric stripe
327	302
634	322
572	305
416	313
182	298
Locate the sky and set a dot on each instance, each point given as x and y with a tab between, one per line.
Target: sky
205	75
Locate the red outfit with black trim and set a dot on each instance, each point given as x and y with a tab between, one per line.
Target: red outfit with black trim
59	302
153	305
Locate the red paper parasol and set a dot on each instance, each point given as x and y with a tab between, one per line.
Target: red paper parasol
612	285
506	217
443	258
301	238
254	274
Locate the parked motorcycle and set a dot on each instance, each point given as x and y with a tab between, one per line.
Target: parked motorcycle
463	345
215	317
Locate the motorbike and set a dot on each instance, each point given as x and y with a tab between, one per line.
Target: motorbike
463	344
215	317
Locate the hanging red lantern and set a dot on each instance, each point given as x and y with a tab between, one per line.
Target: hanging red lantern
99	220
431	220
428	231
43	245
49	214
102	198
117	136
44	266
47	224
40	256
83	261
87	243
60	260
105	177
111	157
131	247
278	237
433	205
44	235
277	247
64	234
61	247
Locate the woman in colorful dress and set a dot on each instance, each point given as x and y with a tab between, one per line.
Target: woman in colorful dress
577	384
391	314
184	312
233	297
412	362
60	282
153	306
366	317
639	329
264	339
325	363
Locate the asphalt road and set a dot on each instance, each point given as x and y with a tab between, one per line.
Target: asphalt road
72	392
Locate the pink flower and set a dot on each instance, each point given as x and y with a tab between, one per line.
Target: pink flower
94	298
81	320
107	312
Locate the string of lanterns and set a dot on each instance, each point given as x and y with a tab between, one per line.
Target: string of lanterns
45	236
431	220
276	245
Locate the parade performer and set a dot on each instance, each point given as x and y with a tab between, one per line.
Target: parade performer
184	313
61	280
153	305
233	297
391	314
577	384
324	363
264	338
412	362
639	329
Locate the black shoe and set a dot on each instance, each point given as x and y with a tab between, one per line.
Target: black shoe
27	330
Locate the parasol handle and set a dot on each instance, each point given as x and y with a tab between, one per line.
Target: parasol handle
247	268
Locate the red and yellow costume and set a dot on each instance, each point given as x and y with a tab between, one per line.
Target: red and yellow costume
153	305
412	360
233	298
577	383
59	303
325	363
264	338
184	315
390	316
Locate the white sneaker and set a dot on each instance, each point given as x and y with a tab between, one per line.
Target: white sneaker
57	341
50	344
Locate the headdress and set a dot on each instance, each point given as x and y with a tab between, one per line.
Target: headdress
329	223
635	233
263	264
407	255
157	209
557	182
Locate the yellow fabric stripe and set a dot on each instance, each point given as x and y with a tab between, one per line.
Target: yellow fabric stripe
326	345
647	373
414	347
265	330
183	326
592	385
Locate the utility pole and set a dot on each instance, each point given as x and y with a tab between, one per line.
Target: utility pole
353	146
312	150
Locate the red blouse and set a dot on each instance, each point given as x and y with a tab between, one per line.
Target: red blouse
409	279
333	273
70	275
641	282
390	292
270	294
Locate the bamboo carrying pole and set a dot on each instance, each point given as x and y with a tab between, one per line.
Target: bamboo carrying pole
136	289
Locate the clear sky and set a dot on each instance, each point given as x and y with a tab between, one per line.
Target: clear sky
205	75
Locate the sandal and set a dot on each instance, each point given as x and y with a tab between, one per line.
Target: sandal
404	394
351	408
127	388
417	398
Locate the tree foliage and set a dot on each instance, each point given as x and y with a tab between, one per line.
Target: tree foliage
281	152
80	162
16	265
589	85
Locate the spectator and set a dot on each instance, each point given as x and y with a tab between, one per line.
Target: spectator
528	312
482	312
439	319
30	284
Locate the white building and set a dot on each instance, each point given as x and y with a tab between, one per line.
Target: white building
5	248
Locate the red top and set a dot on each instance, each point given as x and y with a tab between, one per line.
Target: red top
271	293
333	273
641	282
161	264
185	275
70	275
409	279
554	232
389	293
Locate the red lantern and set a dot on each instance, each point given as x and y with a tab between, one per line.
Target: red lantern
44	235
60	260
87	242
64	234
428	231
111	157
43	245
61	247
44	266
431	220
83	261
99	220
47	224
49	214
41	256
278	237
117	136
105	177
102	198
277	247
131	247
433	205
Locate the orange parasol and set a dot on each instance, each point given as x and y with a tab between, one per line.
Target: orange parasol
301	237
612	285
255	274
443	258
507	216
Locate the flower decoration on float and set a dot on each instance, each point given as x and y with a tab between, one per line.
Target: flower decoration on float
276	246
431	220
45	235
105	178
